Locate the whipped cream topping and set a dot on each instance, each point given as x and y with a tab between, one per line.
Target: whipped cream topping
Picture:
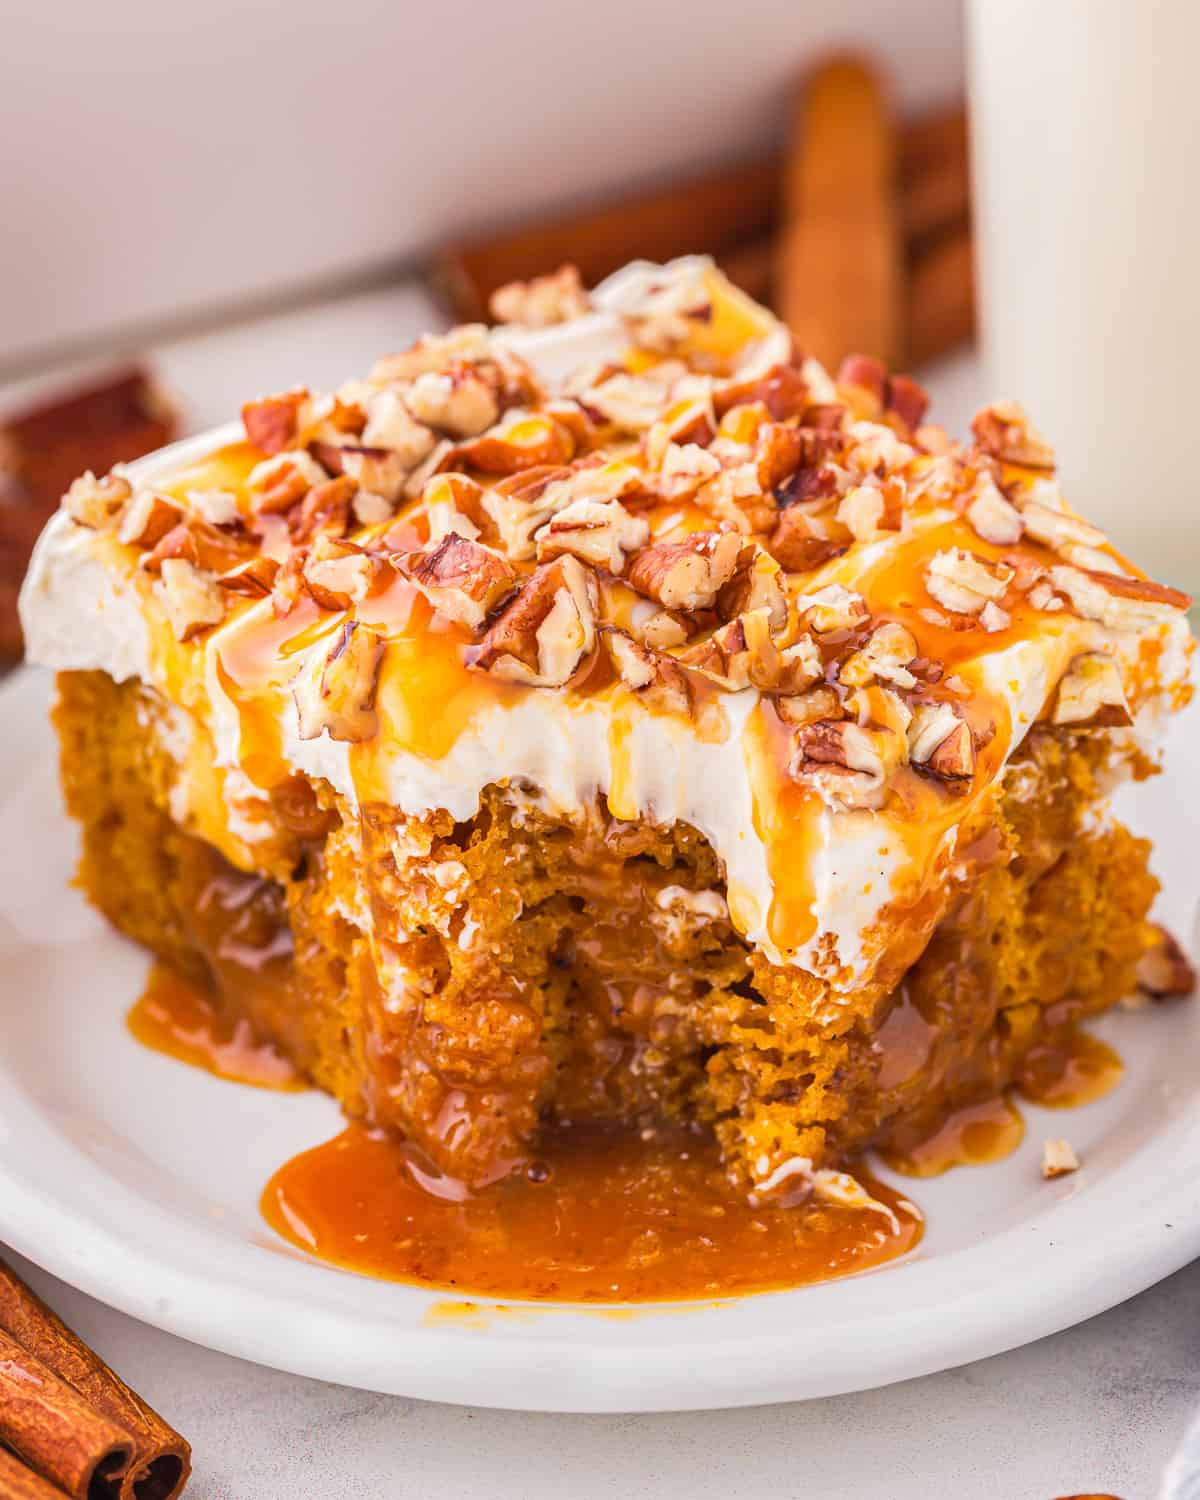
85	609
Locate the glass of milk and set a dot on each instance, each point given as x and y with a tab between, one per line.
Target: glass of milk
1086	154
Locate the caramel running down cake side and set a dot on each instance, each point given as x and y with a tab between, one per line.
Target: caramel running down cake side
619	719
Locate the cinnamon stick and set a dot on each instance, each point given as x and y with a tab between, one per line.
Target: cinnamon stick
935	202
161	1459
112	419
20	1483
702	216
838	262
50	1425
714	213
938	135
941	299
751	267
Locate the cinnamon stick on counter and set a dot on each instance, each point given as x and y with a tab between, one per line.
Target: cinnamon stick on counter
838	262
715	213
109	419
752	268
161	1459
702	216
49	1424
940	312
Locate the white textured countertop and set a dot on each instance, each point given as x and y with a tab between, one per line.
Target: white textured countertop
1098	1408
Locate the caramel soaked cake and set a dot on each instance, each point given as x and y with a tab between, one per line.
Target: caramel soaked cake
616	717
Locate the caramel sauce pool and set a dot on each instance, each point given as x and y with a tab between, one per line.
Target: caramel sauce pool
601	1215
178	1018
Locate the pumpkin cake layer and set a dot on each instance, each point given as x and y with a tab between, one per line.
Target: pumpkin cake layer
617	719
587	969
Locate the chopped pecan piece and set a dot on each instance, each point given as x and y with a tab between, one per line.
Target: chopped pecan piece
217	507
190	597
683	423
812	486
869	509
807	708
180	541
254	578
548	633
963	582
634	403
334	691
992	516
831	608
1058	529
1118	602
522	440
522	503
654	677
147	519
1090	695
885	656
461	579
743	654
392	424
940	743
847	763
438	459
338	574
369	509
757	583
289	583
665	315
544	301
1004	430
272	423
382	471
685	467
778	453
434	351
864	373
326	508
97	503
874	449
803	542
662	629
1058	1159
278	483
993	618
908	399
782	389
454	503
1163	971
600	533
461	401
687	575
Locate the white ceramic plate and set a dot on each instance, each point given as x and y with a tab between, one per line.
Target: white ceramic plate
137	1178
